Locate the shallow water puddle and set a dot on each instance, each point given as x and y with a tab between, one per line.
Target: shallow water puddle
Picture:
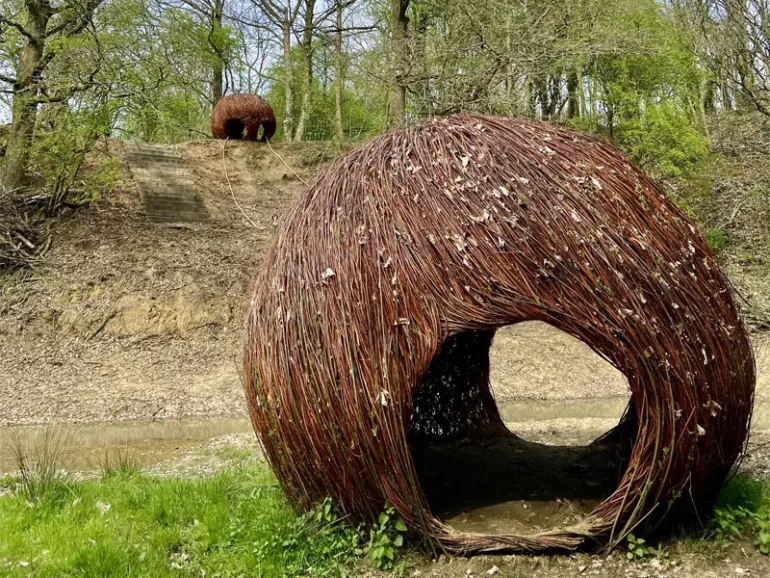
92	446
543	409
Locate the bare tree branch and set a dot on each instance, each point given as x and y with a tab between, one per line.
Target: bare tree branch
24	32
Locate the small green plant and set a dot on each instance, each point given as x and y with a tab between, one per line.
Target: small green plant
730	523
717	239
39	465
763	537
317	543
386	540
638	549
119	462
339	540
743	508
101	178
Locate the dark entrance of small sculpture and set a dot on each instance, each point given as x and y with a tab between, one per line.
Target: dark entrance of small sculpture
371	322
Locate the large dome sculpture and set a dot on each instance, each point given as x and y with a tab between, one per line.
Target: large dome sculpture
240	116
374	311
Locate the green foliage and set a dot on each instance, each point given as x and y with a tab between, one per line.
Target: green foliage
743	491
645	91
363	104
730	523
743	508
386	540
318	540
763	537
638	549
717	239
167	117
162	65
663	140
64	138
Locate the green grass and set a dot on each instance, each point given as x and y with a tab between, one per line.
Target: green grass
235	523
717	239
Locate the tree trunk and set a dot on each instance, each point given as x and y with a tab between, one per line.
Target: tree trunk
288	79
18	143
531	98
706	105
25	93
573	84
217	81
541	89
554	97
397	94
420	61
709	88
307	83
743	74
338	75
724	91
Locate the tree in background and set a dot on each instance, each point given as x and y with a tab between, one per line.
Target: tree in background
37	34
278	20
399	25
209	16
644	74
737	44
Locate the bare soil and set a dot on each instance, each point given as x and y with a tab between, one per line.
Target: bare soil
129	319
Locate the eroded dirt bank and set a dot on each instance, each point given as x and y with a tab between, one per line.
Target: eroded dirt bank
134	319
131	319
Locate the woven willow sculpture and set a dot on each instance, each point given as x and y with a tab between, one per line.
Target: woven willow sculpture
240	116
373	315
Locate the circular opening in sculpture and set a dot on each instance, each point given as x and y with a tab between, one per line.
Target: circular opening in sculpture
551	388
538	450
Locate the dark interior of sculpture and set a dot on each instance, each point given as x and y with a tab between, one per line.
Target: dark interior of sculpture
468	460
234	128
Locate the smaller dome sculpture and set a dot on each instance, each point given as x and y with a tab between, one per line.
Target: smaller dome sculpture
239	117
